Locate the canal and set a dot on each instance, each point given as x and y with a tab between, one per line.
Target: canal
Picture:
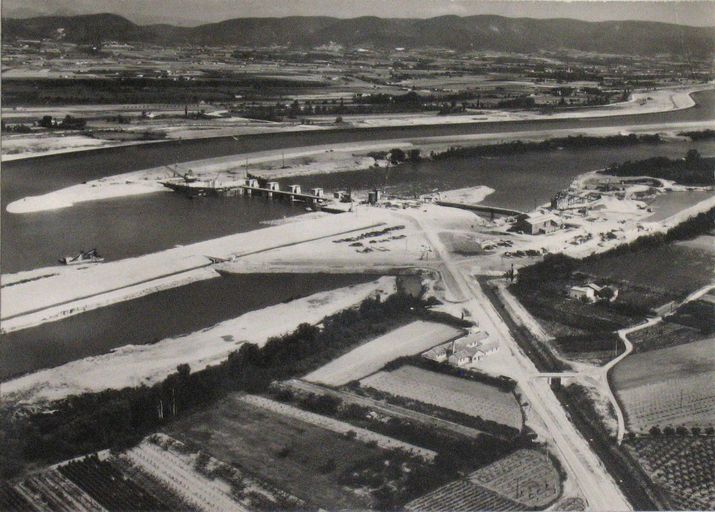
154	317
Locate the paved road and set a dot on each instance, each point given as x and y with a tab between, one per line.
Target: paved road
595	483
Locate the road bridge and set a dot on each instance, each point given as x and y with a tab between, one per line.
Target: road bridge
480	208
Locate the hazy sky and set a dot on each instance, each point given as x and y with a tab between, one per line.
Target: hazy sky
200	11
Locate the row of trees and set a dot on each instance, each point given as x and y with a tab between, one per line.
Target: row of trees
570	142
691	170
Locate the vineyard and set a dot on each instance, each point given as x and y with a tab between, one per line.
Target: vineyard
679	393
671	402
108	486
526	476
462	495
466	396
160	473
684	466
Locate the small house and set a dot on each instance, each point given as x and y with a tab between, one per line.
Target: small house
585	293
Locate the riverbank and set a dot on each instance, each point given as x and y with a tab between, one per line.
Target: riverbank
30	299
302	161
18	147
136	365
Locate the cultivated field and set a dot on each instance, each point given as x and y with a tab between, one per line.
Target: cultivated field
305	460
526	476
370	357
688	268
462	395
662	335
683	466
51	489
340	427
107	485
462	495
197	490
680	392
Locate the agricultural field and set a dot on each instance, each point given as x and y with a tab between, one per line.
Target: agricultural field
339	427
680	393
591	348
48	489
683	466
526	476
663	335
162	462
462	495
160	473
319	466
698	314
461	395
688	268
373	355
107	485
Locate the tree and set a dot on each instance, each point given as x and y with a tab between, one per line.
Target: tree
413	155
397	156
692	158
184	370
45	122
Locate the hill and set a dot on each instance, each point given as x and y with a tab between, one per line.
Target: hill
484	32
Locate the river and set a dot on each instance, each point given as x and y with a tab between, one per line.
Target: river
121	228
157	316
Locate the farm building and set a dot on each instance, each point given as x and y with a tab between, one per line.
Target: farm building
473	354
593	292
537	224
582	293
466	350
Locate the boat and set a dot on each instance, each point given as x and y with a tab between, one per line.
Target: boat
83	257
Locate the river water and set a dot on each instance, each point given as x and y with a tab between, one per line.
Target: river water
121	228
157	316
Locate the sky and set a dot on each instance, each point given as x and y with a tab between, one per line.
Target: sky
194	12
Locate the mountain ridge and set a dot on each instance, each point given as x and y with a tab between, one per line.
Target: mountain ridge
478	32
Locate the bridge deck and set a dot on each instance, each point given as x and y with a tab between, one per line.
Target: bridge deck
482	208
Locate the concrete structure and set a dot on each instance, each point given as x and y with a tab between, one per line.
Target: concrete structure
537	224
374	196
318	192
563	200
272	186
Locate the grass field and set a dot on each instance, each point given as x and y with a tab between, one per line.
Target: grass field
670	386
302	459
373	355
462	395
683	466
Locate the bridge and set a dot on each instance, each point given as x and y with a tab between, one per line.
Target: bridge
249	187
480	208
